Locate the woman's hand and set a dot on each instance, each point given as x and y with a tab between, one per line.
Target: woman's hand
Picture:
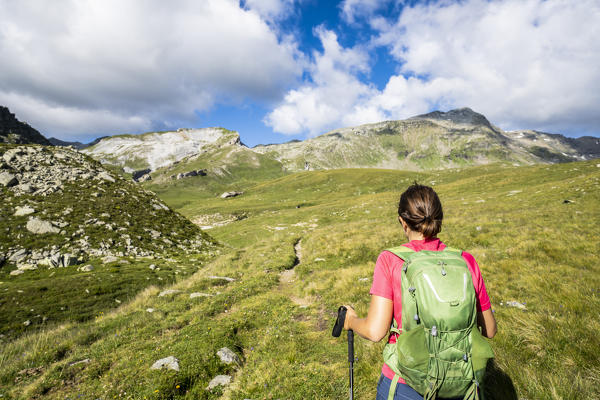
350	314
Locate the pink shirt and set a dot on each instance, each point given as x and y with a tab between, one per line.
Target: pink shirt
387	275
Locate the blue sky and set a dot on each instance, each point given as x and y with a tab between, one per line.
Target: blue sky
276	70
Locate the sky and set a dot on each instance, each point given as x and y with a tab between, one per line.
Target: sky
277	70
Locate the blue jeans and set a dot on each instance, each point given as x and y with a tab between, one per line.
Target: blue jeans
403	391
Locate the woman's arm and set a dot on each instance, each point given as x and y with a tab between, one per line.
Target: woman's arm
487	323
378	321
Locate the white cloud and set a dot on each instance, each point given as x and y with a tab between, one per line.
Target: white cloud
354	9
530	64
271	9
104	67
333	93
523	63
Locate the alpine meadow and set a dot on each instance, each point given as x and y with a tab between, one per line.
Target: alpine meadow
138	269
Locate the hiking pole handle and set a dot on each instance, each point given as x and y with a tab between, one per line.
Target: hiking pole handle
339	322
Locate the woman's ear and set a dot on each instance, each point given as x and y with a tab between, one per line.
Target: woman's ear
404	224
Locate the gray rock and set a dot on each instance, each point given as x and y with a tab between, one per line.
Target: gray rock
67	260
227	356
26	267
86	268
225	278
145	178
198	294
38	226
136	175
84	361
168	292
109	259
7	179
166	363
219	380
24	210
18	255
516	304
16	272
26	188
106	176
231	194
152	267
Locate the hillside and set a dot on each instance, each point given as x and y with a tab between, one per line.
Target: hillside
14	131
62	209
437	140
158	149
308	243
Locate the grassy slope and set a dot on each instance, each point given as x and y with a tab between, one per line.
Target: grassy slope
531	246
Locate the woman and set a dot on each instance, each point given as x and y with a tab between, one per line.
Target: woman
420	213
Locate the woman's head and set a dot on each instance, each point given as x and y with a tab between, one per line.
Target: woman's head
420	208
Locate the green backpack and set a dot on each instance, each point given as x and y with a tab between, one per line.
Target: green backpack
439	351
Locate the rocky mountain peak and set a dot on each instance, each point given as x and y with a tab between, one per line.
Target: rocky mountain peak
464	116
14	131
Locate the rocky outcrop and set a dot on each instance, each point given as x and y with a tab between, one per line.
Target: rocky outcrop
231	194
14	131
181	175
139	175
35	225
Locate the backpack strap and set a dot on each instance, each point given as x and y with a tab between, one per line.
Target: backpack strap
453	250
403	252
393	385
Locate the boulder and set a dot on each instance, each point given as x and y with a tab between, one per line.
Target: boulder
145	178
16	272
166	363
106	176
136	175
198	294
227	356
24	210
109	259
168	292
26	267
219	380
224	278
36	225
7	179
231	194
86	268
18	255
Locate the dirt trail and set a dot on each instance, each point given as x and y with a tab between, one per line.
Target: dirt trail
288	277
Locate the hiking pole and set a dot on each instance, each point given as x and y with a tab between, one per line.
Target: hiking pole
337	330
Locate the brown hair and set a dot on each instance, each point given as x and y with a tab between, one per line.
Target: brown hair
421	209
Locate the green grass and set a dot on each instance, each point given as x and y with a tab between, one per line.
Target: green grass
531	246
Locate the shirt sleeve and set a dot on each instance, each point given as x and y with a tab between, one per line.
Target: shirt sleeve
382	277
483	300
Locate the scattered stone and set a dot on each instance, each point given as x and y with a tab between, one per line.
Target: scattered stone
231	194
109	259
318	259
225	278
168	292
26	188
106	176
198	294
516	304
566	201
145	178
363	279
27	323
152	267
150	310
21	211
16	272
227	356
166	363
478	228
86	268
219	380
84	361
18	255
27	267
137	175
38	226
7	179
